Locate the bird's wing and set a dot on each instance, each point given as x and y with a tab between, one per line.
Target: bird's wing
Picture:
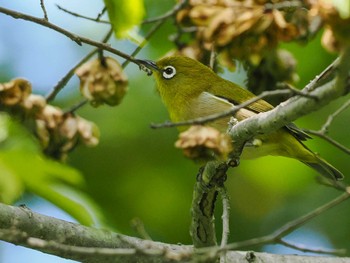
208	104
236	95
228	92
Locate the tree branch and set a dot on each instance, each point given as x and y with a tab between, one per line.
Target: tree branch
23	227
209	180
98	20
287	228
42	5
60	85
295	107
329	139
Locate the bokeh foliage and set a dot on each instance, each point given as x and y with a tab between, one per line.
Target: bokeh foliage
136	171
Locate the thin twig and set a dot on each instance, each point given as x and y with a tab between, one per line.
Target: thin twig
126	62
145	40
297	92
77	106
140	229
277	235
225	219
328	139
59	86
225	216
76	38
303	248
160	21
42	5
322	133
103	11
97	19
331	117
321	77
168	14
342	65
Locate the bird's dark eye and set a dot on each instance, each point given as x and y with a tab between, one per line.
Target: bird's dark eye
169	72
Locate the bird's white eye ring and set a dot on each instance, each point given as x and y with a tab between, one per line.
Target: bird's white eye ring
169	72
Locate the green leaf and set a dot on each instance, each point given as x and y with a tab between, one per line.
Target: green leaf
11	186
46	178
124	15
24	168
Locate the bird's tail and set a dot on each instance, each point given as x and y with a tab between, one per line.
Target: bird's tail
325	168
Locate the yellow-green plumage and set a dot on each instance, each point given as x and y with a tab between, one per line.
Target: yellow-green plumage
190	90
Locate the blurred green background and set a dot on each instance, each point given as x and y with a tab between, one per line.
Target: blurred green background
135	172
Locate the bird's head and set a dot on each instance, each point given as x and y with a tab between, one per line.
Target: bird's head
177	74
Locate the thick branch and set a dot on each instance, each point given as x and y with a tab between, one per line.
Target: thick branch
23	227
295	107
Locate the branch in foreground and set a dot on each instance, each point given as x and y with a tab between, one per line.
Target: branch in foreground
23	227
72	241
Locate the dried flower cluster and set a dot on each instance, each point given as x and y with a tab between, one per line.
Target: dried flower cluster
16	96
250	31
337	23
102	81
61	132
57	131
204	143
245	29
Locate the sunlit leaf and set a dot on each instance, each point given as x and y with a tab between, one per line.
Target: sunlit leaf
124	15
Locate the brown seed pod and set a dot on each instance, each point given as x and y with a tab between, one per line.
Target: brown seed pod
204	143
102	81
14	92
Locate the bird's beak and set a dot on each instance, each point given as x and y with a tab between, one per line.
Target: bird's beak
147	65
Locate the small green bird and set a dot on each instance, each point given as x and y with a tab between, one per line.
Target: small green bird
191	90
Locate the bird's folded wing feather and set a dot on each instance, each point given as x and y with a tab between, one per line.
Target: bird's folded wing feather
256	107
209	104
